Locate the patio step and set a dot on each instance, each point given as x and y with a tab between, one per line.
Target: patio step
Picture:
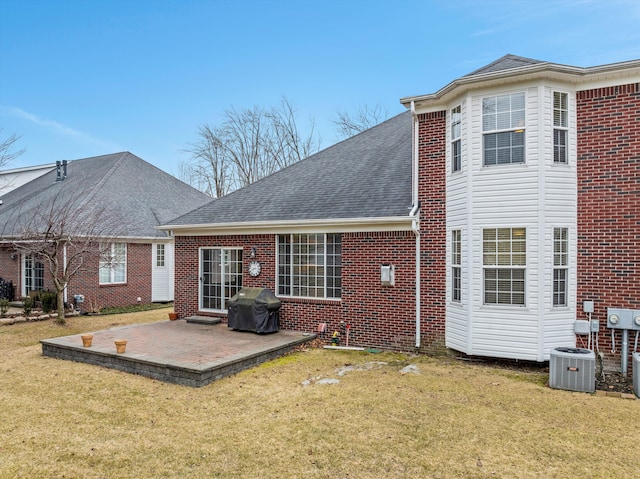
203	320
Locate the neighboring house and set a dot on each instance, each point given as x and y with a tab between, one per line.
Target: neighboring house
130	197
480	220
16	177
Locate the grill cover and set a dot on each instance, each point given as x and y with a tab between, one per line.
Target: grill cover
254	309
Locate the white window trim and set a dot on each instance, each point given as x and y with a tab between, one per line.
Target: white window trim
201	276
456	265
516	128
111	254
511	267
277	275
559	127
564	267
455	139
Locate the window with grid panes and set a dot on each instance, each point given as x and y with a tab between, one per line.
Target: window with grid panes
310	265
503	128
456	149
456	266
560	127
560	266
504	260
113	263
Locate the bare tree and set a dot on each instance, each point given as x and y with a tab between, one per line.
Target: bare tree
64	233
366	117
6	145
249	144
209	169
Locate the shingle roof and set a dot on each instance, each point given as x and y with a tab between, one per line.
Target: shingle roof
366	176
507	62
142	195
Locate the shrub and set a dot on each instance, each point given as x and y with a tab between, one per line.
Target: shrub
27	305
48	300
4	307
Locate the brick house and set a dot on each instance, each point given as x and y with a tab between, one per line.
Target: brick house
480	220
124	196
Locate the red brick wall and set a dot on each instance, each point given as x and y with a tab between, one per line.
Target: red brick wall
608	123
138	283
10	269
86	281
379	316
432	195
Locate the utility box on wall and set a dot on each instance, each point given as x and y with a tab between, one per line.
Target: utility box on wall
573	369
387	275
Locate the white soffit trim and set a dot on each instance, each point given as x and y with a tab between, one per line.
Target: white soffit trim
341	225
582	78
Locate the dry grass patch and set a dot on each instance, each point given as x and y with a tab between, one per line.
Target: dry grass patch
452	420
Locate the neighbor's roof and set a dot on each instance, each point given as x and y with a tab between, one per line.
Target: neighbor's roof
135	191
367	176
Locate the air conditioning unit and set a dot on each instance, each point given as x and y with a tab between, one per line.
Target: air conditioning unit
636	374
573	369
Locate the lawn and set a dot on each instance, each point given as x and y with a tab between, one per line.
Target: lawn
289	418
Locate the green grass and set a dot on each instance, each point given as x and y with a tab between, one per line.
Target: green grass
452	420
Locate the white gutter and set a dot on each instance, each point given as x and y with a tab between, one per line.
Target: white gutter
415	217
343	225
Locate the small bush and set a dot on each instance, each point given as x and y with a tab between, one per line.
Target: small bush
49	301
27	305
4	307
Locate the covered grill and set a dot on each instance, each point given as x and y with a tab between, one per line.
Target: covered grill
254	309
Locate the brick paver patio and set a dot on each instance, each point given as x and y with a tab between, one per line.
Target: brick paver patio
177	351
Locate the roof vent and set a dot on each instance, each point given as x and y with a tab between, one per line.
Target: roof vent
61	170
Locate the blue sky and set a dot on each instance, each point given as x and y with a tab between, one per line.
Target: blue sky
85	78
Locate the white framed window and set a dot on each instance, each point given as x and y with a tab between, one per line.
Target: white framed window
456	266
560	127
310	265
560	266
503	128
504	260
456	132
160	255
113	263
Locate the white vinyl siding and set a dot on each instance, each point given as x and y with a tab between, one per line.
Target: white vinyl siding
536	195
162	272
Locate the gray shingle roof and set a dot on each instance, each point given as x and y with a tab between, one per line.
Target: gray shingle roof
366	176
507	62
142	195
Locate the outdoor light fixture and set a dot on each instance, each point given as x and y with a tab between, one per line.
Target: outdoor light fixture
253	251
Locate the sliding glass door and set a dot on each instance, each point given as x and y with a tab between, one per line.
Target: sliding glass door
220	277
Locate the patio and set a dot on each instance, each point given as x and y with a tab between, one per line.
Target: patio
190	353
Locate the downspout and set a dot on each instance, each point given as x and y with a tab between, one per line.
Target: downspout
415	215
64	271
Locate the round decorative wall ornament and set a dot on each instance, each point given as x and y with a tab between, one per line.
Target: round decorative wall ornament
254	268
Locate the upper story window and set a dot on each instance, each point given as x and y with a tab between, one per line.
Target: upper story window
113	263
560	127
503	128
456	151
310	265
